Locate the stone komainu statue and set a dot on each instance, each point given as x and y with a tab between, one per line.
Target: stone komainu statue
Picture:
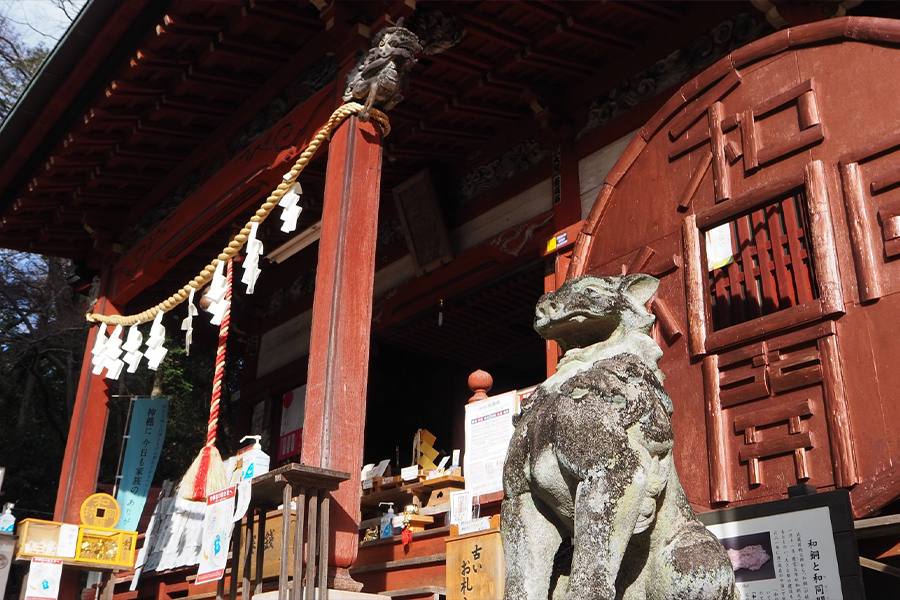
591	461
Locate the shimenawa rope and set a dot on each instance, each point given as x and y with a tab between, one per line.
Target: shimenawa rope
237	242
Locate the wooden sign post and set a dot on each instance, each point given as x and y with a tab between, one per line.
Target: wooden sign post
475	566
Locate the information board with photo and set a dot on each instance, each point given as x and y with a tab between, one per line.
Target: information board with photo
789	550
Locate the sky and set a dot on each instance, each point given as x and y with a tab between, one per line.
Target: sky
39	21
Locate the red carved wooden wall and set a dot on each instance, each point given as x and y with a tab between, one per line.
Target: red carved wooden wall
780	358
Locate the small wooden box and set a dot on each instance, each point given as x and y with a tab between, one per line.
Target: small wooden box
271	545
37	538
418	522
105	546
475	566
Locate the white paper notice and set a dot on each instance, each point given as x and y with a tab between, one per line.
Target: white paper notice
68	541
719	251
789	556
410	473
489	428
243	499
43	579
381	467
216	535
482	524
293	413
460	507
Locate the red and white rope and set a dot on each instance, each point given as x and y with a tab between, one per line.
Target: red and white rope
213	426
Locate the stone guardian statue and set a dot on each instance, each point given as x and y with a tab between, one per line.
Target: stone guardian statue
593	506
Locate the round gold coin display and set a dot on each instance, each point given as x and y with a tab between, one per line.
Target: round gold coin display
100	510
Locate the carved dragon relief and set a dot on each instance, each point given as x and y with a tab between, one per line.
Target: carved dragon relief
591	461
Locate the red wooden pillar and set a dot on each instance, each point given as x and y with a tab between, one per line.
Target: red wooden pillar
84	446
342	319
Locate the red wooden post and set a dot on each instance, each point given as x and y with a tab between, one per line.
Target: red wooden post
84	445
342	321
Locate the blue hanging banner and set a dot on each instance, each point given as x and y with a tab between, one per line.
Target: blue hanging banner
145	441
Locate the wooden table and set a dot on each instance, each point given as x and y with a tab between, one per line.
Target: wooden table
404	493
310	489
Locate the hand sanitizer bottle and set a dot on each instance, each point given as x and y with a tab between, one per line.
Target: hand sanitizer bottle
7	519
386	529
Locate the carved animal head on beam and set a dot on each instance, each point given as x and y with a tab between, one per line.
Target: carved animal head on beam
382	73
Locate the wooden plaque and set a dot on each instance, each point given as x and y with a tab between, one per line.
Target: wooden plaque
423	224
475	566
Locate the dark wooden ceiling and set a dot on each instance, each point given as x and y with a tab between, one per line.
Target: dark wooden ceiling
204	70
488	326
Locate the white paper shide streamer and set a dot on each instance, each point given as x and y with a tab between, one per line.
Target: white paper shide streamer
156	351
216	295
251	261
97	351
188	324
291	211
132	348
109	357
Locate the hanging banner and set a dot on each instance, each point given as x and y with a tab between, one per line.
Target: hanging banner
145	442
293	411
216	535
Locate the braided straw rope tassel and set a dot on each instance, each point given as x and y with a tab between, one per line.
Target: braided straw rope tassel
207	473
237	242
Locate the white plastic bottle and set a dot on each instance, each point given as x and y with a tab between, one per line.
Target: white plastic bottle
255	461
7	519
387	520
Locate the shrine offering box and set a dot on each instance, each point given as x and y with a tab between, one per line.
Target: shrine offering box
37	538
105	546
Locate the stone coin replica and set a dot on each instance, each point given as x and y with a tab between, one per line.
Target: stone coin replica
594	507
751	558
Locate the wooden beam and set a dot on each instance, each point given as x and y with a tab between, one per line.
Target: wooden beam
342	320
584	31
283	14
195	106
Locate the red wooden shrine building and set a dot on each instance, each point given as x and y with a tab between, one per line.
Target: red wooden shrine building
551	139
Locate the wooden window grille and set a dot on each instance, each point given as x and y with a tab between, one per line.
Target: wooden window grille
771	267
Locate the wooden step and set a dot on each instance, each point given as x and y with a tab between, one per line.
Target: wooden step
427	592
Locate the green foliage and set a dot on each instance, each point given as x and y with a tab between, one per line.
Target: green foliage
187	381
42	339
18	63
43	335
